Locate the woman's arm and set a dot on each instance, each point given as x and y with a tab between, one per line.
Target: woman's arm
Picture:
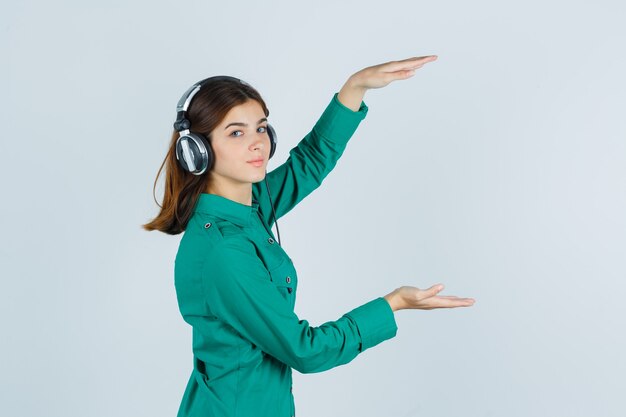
317	154
351	95
239	291
310	161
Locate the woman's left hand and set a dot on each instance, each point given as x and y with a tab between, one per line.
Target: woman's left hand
378	76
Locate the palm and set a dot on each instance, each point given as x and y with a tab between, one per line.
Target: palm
429	299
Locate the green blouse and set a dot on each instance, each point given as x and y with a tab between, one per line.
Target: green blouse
237	287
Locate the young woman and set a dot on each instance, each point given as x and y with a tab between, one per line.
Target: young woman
235	285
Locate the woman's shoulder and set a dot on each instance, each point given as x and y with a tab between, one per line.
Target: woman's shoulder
208	236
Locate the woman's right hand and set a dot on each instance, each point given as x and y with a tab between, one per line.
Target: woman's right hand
407	297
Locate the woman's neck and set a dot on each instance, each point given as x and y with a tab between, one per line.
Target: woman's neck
241	193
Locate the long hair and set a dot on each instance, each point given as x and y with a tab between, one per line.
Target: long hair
182	189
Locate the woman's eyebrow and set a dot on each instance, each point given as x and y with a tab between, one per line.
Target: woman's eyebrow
245	124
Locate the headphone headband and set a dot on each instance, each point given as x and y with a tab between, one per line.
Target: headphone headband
181	122
185	100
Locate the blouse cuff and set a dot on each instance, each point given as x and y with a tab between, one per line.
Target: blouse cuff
375	321
338	122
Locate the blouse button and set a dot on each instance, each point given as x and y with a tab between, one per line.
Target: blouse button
270	240
206	226
288	279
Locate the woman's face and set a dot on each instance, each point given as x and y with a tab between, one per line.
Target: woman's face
240	138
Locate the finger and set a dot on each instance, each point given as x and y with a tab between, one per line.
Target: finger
440	302
418	58
403	75
432	291
388	77
449	297
419	61
409	63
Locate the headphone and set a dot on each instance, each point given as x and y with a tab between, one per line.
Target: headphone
193	150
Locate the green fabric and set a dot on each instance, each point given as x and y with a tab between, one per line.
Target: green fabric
237	288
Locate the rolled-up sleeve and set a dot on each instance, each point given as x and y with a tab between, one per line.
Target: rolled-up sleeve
238	290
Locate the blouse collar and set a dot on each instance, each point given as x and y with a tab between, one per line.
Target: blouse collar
222	207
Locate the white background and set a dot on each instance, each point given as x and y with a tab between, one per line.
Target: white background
498	170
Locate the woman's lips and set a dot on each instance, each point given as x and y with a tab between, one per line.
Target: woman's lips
256	163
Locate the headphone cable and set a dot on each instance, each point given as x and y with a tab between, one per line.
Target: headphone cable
272	206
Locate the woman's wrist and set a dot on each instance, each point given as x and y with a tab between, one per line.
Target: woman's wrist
351	95
393	301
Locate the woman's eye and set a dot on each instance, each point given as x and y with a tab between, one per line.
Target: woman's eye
238	133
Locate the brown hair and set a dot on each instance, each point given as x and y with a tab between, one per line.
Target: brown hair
182	189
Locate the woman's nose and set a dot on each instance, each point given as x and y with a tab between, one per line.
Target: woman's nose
259	142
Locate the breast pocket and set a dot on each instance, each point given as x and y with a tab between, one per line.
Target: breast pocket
285	279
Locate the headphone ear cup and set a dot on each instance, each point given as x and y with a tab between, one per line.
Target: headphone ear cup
194	153
273	139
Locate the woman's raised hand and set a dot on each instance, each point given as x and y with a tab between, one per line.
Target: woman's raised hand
407	297
378	76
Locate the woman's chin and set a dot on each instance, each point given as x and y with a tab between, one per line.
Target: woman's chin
258	178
